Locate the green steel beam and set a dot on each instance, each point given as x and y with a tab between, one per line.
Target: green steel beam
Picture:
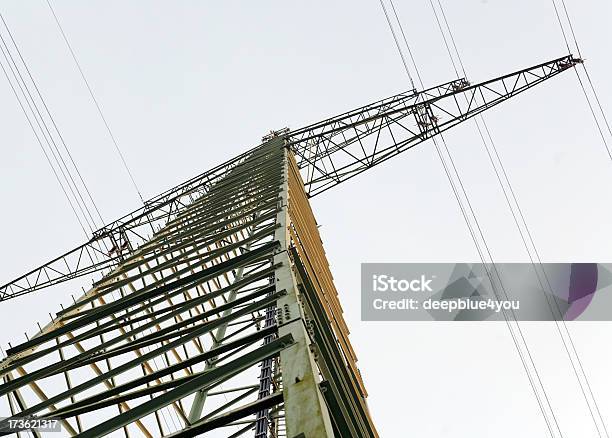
216	374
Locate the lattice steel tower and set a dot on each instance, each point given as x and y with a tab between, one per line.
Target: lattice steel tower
216	311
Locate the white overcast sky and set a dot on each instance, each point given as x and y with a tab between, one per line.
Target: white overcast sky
186	85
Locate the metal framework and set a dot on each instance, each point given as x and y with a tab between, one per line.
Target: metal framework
215	310
338	148
327	153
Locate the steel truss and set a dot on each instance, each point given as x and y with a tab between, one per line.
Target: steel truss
336	149
112	243
173	339
327	153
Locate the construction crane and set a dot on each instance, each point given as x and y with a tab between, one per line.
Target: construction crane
215	307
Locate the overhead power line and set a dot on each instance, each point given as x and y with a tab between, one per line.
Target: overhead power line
95	101
599	128
475	230
545	405
586	71
397	44
43	149
556	312
47	133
